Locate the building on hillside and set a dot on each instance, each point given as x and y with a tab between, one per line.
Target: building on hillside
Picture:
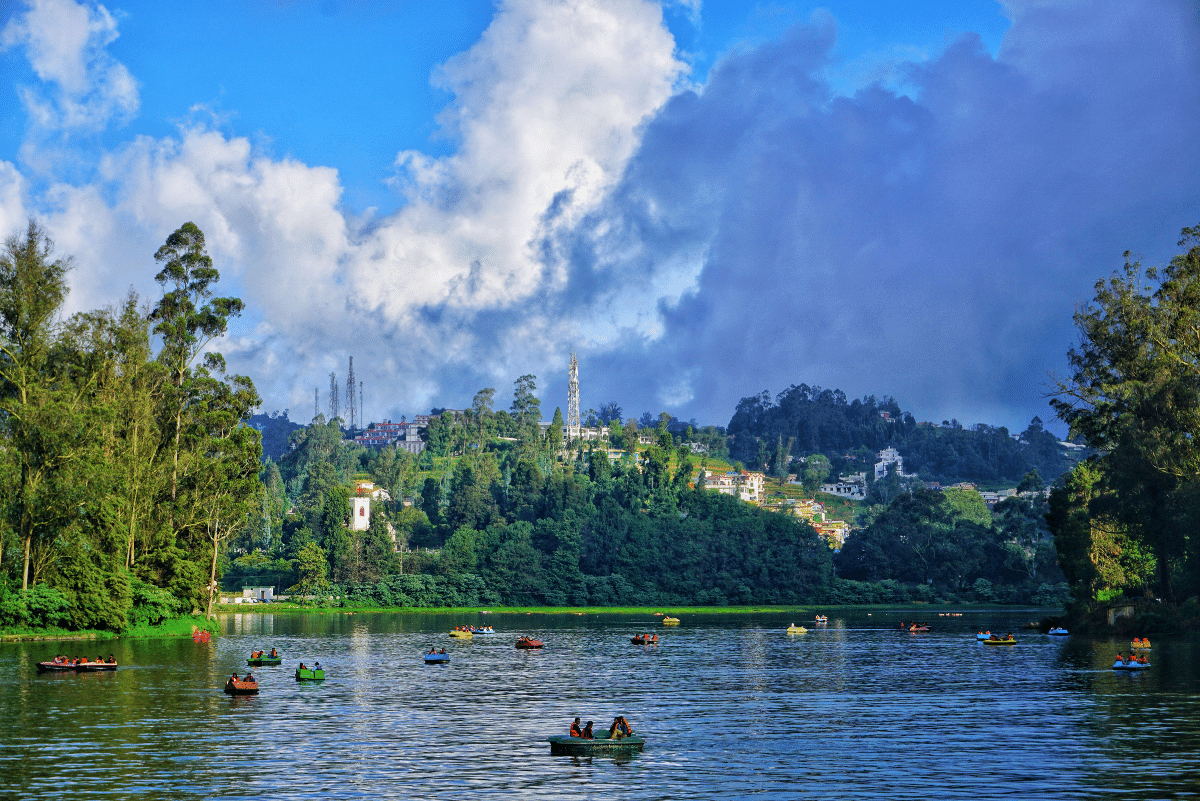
360	513
833	532
745	485
847	488
889	456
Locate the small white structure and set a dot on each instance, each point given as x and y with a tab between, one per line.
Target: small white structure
360	513
257	594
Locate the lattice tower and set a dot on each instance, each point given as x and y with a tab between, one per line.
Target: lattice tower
351	400
333	396
573	393
316	402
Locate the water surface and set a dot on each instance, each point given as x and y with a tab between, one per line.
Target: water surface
730	706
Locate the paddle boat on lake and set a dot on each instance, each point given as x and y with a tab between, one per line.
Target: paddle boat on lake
1057	631
260	658
236	686
983	635
821	620
794	629
644	639
462	633
601	745
996	639
61	664
1140	644
315	673
528	643
670	621
1132	663
437	658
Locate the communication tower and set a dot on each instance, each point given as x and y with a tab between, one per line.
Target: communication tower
316	402
351	401
362	420
573	394
333	396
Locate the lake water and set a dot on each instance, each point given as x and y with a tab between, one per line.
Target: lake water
730	706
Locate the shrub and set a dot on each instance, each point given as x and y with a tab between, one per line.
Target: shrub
45	606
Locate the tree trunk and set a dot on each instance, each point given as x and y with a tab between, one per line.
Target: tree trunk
212	576
25	573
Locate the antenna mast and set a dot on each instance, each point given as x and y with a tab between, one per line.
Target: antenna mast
573	394
333	396
351	402
316	402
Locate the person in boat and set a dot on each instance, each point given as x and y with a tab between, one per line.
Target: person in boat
587	732
317	666
302	667
248	677
575	730
112	660
442	651
274	654
234	678
619	728
433	650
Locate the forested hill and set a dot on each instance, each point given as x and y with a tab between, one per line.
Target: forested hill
804	420
275	428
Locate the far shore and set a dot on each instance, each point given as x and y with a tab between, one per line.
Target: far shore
673	611
176	627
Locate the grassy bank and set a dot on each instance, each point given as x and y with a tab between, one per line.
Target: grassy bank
176	627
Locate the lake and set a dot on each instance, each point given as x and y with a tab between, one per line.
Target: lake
730	706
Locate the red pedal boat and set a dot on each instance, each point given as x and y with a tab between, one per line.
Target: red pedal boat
235	687
526	642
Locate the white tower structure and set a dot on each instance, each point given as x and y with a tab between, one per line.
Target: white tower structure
360	513
573	394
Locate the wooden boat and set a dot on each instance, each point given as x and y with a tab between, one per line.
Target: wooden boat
639	640
1130	665
461	635
76	667
526	642
241	687
602	744
1057	632
310	674
1009	641
437	659
794	629
670	621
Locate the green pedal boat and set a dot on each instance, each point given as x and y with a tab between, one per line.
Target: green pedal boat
601	745
310	674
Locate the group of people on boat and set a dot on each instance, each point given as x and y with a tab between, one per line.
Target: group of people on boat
1133	659
523	640
434	650
914	626
620	728
647	638
63	659
263	655
1005	638
317	666
200	636
475	629
1143	643
249	677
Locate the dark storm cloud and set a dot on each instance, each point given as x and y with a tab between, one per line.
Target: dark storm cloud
932	247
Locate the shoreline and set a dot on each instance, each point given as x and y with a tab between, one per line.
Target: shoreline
175	627
611	610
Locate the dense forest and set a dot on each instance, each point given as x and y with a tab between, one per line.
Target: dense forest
1125	521
125	471
772	435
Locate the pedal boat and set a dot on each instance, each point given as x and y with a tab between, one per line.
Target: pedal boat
643	641
1130	665
437	659
76	667
269	661
241	687
527	643
670	621
1057	632
1009	641
310	674
794	629
461	635
602	744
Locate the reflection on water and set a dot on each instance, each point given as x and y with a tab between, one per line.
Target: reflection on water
730	705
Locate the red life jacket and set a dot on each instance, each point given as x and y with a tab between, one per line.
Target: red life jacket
575	731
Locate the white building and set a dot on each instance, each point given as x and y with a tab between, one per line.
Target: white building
360	513
745	485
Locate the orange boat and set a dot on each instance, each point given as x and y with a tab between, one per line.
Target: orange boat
646	640
237	687
527	642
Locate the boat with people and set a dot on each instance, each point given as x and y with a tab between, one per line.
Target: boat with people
63	664
1057	631
462	633
1131	663
983	635
314	673
821	620
619	739
1140	644
236	686
670	621
484	631
644	639
260	658
528	643
437	657
794	629
914	626
996	639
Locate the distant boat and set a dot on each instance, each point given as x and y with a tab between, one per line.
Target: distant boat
1130	665
1009	641
265	660
310	674
670	621
527	643
821	619
647	640
77	667
462	635
794	629
437	659
1057	632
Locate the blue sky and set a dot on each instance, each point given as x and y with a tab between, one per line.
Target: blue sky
704	199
